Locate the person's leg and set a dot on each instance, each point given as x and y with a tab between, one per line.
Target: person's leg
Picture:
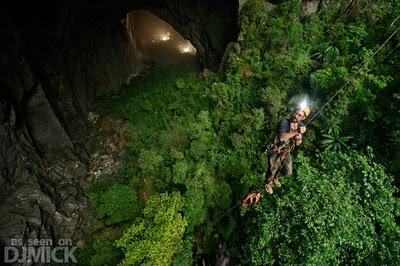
285	171
287	165
276	181
271	172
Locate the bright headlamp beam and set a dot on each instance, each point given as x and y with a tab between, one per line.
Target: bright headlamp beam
303	103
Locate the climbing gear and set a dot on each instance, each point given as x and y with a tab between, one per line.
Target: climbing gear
274	148
277	147
306	110
283	148
251	198
302	108
360	69
320	109
277	162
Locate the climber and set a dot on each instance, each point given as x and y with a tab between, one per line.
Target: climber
289	135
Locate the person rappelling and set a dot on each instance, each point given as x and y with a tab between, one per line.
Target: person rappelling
289	135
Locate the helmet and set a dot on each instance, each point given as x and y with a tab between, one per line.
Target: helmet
306	110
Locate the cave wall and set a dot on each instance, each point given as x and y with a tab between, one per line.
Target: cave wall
209	25
55	57
52	65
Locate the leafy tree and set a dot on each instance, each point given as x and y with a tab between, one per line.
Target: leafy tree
338	209
116	204
103	252
332	139
155	238
202	135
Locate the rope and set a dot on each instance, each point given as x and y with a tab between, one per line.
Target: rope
226	213
397	46
323	106
240	202
361	68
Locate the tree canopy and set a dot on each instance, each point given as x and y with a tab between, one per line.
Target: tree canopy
195	144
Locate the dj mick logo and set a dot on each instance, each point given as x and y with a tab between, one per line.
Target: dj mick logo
39	250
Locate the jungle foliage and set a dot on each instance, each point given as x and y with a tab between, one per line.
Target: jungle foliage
196	142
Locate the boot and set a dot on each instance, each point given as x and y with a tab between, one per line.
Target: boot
277	183
268	188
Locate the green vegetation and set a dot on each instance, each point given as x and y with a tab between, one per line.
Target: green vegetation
116	204
336	209
195	148
155	238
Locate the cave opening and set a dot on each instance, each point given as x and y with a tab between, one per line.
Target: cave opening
66	106
155	42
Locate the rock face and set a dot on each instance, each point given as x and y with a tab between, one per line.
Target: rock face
309	7
55	57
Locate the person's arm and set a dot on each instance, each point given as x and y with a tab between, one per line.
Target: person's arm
294	129
286	136
298	139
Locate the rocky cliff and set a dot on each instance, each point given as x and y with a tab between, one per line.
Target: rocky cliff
55	57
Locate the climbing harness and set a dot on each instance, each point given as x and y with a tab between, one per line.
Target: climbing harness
281	149
289	147
253	197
